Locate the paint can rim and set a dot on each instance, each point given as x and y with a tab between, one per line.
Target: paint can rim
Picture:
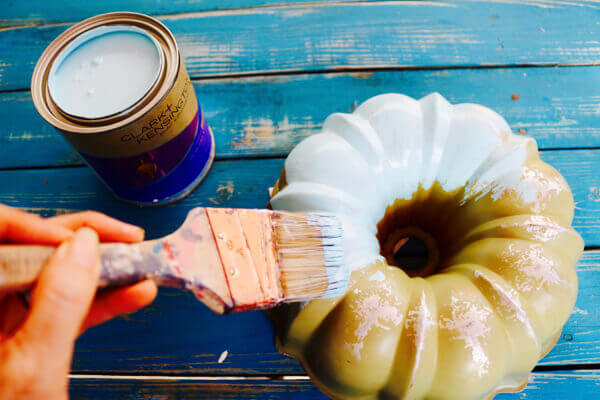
87	37
63	121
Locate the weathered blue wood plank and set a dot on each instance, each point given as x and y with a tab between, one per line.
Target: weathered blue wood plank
267	116
560	385
354	35
51	12
580	340
177	334
244	183
580	168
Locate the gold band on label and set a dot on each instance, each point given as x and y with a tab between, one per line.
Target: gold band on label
161	124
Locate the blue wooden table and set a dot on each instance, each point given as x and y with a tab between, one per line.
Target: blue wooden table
267	73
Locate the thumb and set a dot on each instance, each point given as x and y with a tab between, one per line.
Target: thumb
63	294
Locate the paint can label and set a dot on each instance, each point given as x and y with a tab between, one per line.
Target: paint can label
153	152
158	158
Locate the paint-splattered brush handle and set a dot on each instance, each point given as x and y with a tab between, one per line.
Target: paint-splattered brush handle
121	264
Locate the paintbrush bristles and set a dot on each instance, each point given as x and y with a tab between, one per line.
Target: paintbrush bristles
311	256
262	258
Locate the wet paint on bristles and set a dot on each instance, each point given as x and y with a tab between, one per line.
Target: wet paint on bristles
311	256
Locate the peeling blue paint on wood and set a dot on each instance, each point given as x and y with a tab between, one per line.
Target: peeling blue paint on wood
337	36
42	12
244	183
267	116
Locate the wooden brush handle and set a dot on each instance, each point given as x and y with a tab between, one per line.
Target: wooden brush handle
122	264
21	265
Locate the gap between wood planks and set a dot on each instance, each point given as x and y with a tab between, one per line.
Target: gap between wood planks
363	69
274	377
375	68
201	378
251	157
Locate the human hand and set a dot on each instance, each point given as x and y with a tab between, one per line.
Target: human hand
36	344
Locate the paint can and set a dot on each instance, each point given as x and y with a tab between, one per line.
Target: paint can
147	139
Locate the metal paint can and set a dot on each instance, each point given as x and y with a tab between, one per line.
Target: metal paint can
154	152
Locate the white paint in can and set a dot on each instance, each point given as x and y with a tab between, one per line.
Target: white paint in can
104	71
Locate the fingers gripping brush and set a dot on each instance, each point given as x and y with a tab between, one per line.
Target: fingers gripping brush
231	259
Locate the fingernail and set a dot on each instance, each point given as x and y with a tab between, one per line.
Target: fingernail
62	250
83	248
134	231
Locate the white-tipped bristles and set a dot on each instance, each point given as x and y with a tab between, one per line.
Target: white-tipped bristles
311	255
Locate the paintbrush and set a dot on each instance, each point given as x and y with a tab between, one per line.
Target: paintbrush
231	259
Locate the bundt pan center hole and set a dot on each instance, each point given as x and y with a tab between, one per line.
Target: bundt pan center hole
412	249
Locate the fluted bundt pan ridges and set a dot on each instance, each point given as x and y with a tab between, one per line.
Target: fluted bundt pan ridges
500	281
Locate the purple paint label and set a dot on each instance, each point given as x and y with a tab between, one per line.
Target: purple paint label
156	154
162	174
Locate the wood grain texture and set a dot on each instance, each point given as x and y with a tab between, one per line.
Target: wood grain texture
267	116
558	385
341	36
244	183
40	12
177	334
581	334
